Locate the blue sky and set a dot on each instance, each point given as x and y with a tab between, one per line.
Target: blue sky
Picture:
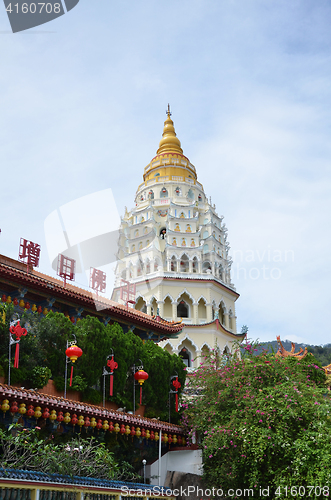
83	101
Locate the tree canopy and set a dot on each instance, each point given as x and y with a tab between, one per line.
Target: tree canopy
261	421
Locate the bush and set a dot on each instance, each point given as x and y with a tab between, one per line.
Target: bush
92	396
39	377
263	421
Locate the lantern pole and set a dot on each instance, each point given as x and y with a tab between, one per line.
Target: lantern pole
134	369
160	442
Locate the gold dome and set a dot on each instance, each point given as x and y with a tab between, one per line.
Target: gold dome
169	142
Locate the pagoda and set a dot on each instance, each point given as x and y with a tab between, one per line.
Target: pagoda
173	248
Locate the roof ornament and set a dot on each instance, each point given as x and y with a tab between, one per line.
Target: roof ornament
168	111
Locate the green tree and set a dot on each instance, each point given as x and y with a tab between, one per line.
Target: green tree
263	421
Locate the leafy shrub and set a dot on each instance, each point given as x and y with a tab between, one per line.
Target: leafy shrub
39	377
93	396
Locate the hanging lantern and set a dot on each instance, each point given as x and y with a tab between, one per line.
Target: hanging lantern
138	432
37	412
19	332
45	311
93	423
39	309
133	432
177	386
87	422
8	299
22	409
149	435
111	363
169	439
15	301
105	425
174	439
141	376
122	430
53	415
127	430
111	427
30	412
45	414
177	191
34	308
5	406
27	305
4	298
164	190
60	418
117	429
80	422
13	408
74	420
143	433
21	303
73	353
156	437
199	197
67	418
99	424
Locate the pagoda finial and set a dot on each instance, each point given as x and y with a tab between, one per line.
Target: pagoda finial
169	142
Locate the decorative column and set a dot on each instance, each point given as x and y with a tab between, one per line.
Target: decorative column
190	266
168	265
209	308
174	310
160	304
195	313
149	309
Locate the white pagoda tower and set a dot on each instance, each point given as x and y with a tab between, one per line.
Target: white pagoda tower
173	246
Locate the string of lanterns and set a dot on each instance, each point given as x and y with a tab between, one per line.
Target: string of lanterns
125	430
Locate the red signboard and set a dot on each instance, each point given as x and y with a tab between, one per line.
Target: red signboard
29	252
97	280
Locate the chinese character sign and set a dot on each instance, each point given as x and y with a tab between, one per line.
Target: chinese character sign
29	252
128	292
66	268
97	280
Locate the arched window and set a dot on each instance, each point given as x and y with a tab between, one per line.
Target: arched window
173	263
141	305
182	310
231	320
145	230
190	194
186	356
151	194
202	310
195	265
148	267
136	233
206	266
167	308
221	313
178	191
156	265
163	193
184	264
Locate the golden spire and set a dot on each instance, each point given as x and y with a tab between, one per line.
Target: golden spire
169	142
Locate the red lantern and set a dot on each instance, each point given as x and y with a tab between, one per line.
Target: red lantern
15	301
143	433
27	305
74	419
14	407
99	424
111	363
87	422
111	427
39	309
4	298
141	376
45	414
176	385
152	435
164	190
73	352
60	417
122	430
169	439
133	431
30	412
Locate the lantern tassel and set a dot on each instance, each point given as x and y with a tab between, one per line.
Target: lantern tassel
72	369
17	355
111	385
141	392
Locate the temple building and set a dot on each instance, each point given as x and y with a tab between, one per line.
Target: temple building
173	248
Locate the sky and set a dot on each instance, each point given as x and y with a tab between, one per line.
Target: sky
83	101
